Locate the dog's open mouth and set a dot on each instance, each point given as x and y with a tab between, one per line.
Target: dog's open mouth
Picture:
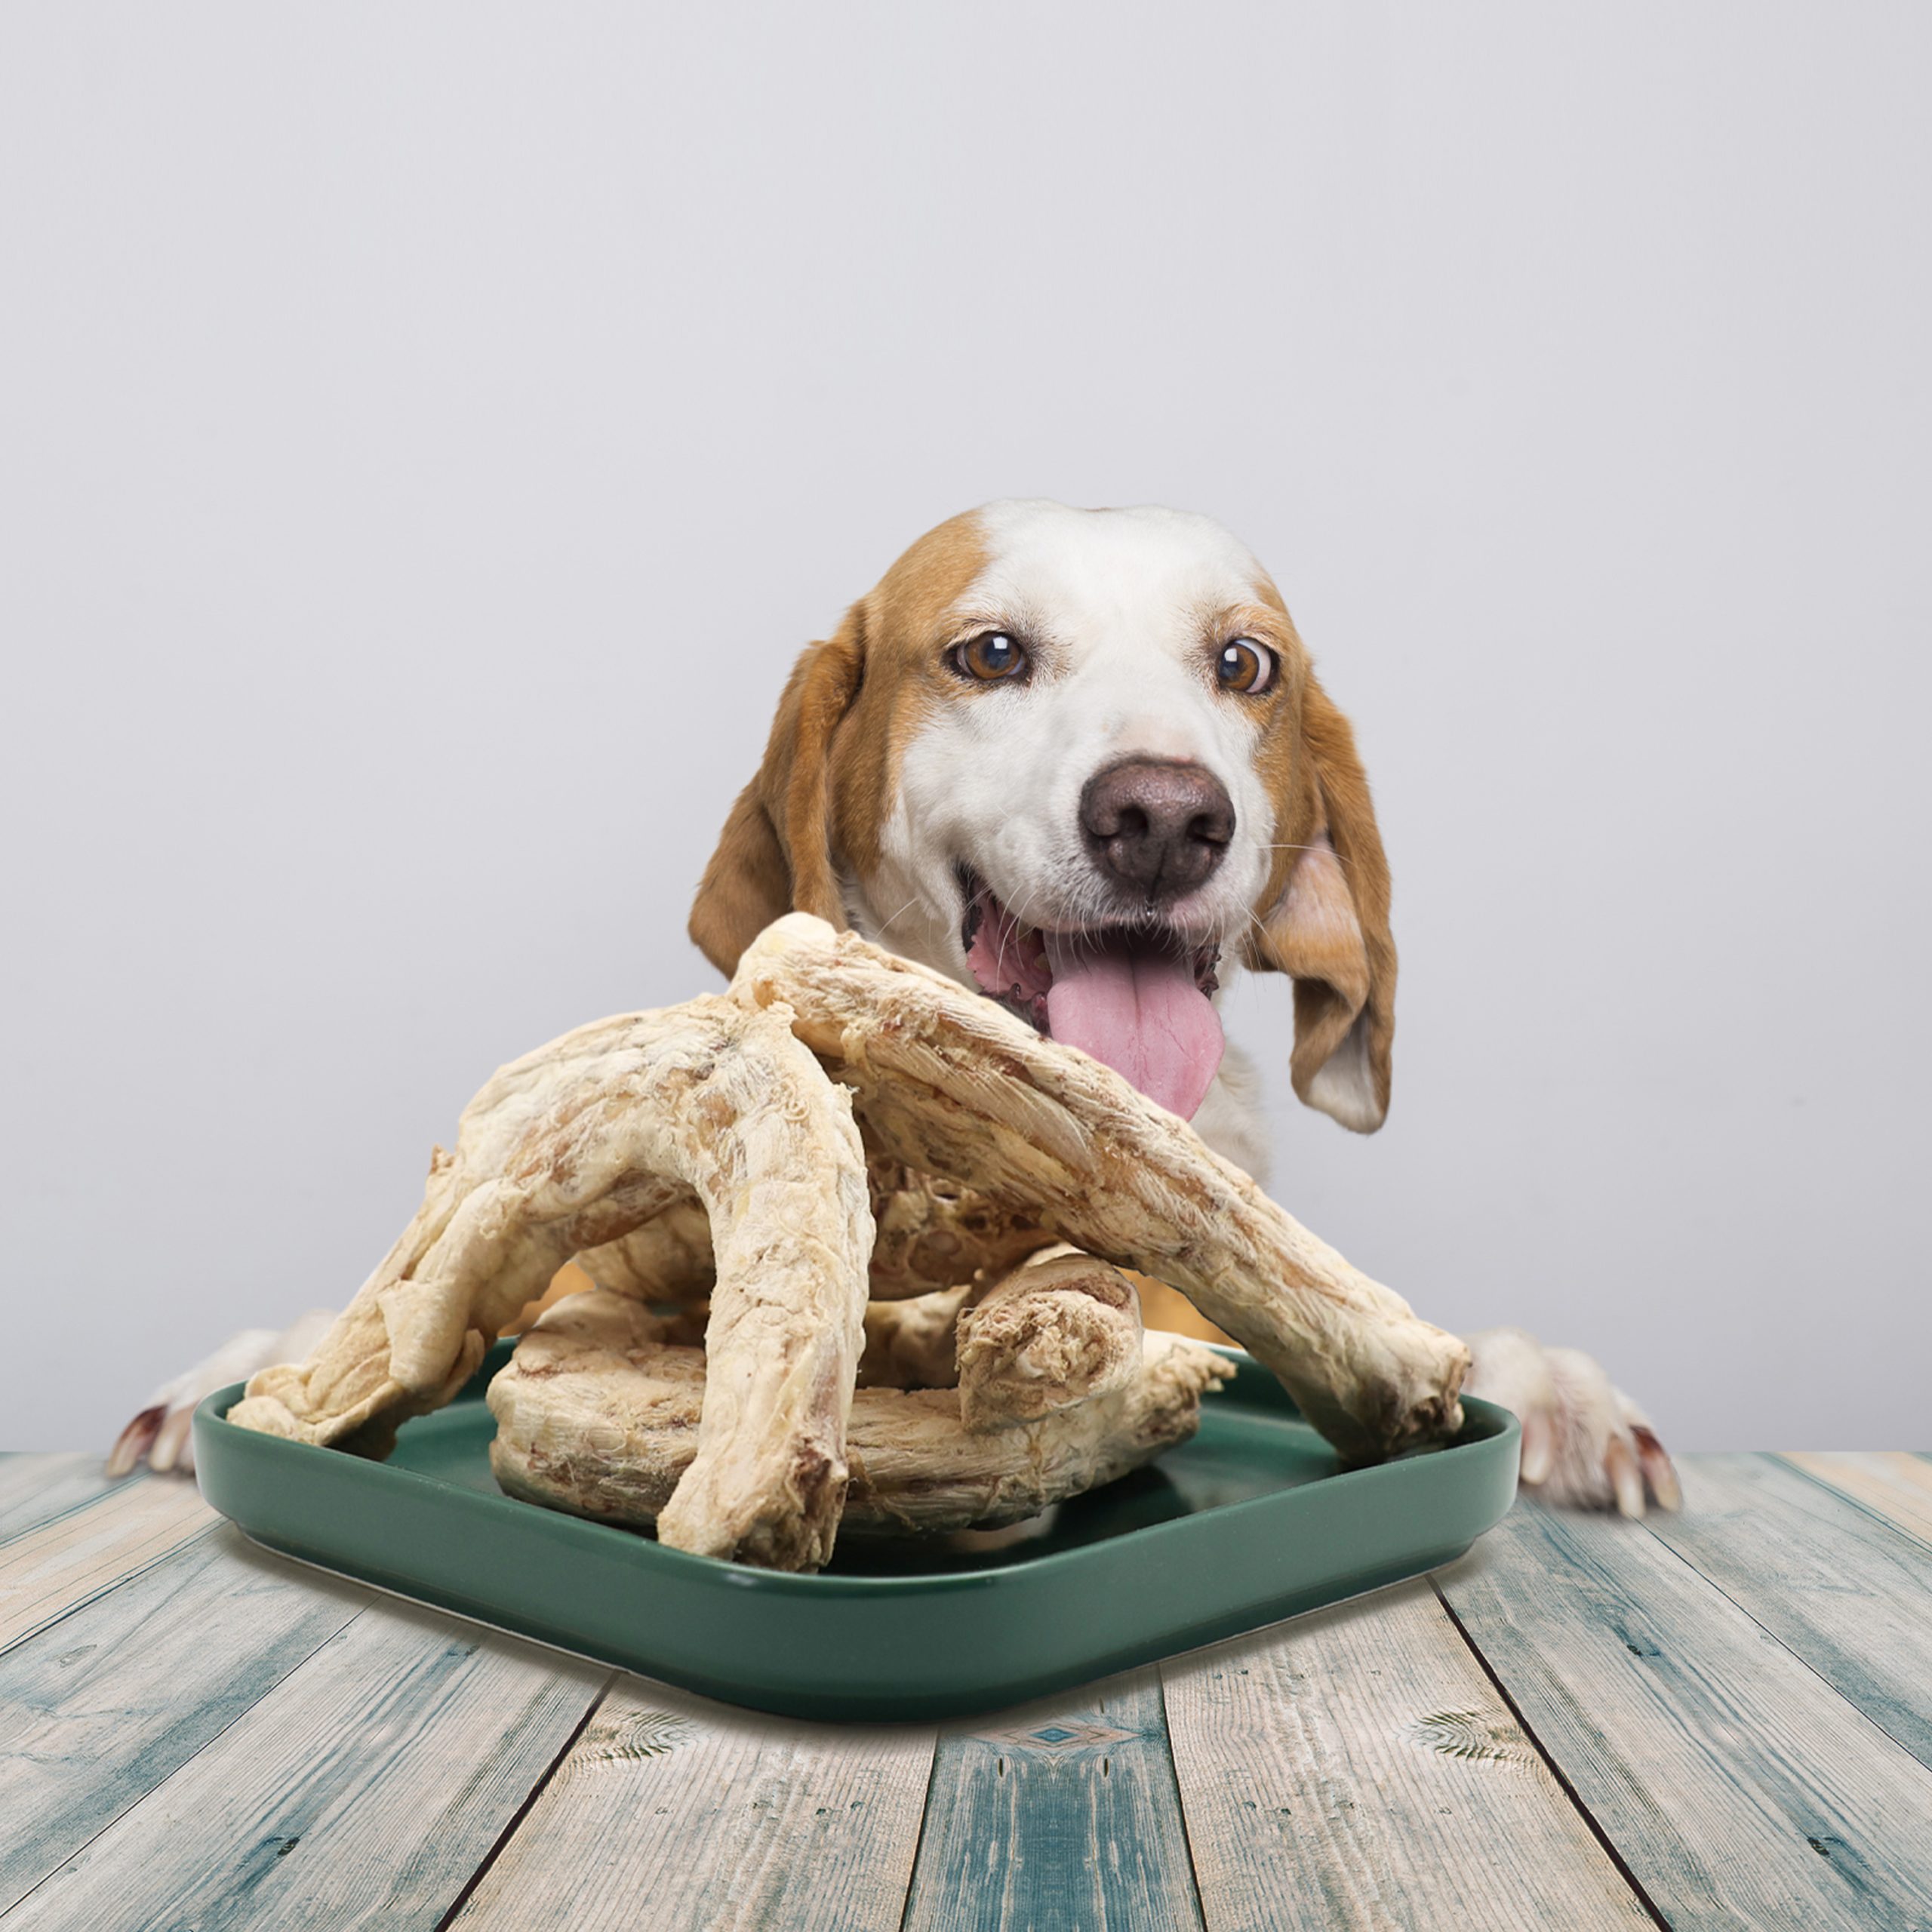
1133	996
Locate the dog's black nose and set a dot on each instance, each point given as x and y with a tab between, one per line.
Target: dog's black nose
1156	825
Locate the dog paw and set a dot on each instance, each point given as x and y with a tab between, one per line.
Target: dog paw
1586	1444
163	1431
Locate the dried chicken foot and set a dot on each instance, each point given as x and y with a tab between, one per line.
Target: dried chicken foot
950	1083
577	1143
596	1415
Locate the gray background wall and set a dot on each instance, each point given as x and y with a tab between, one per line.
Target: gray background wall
426	433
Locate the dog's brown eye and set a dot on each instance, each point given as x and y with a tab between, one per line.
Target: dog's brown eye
1245	665
990	657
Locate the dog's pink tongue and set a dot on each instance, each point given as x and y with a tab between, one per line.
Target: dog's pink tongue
1141	1012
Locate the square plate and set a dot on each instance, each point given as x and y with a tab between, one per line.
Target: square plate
1252	1521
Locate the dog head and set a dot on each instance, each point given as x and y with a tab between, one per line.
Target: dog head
1079	759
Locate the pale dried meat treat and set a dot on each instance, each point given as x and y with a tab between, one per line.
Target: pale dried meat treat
912	1344
932	1233
935	1232
950	1083
668	1259
576	1144
1061	1329
1007	1139
596	1415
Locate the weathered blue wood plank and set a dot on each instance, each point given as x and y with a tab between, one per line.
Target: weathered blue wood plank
97	1711
1060	1815
1894	1483
1738	1788
46	1571
1849	1593
36	1489
364	1789
1356	1770
672	1814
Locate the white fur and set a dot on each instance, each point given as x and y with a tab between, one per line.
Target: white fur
1113	603
1344	1084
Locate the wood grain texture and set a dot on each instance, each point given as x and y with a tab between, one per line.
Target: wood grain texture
1887	1481
363	1790
193	1734
1357	1768
674	1812
117	1696
1061	1814
1738	1788
36	1489
48	1570
1848	1592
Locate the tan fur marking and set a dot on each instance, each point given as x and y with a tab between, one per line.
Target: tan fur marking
817	803
907	621
1321	799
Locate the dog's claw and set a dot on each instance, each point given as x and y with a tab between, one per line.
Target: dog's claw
1627	1480
1538	1446
1659	1470
163	1432
174	1443
132	1443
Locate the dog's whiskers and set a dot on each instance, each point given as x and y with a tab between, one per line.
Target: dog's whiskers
900	914
1006	932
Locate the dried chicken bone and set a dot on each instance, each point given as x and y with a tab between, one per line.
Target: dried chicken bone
595	1414
578	1143
950	1083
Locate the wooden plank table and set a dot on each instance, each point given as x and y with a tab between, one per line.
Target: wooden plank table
1722	1718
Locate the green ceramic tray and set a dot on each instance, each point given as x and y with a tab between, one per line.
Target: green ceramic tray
1251	1521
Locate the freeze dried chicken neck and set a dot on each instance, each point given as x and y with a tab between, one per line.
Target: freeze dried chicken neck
914	1344
935	1232
950	1083
1057	1330
932	1233
596	1415
579	1143
668	1259
722	1105
1061	1329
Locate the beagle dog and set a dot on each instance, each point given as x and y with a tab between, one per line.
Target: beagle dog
1079	760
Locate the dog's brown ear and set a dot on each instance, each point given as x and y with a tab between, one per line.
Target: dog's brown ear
774	855
1329	930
